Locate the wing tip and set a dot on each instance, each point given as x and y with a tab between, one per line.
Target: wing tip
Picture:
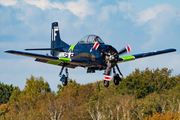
9	51
172	50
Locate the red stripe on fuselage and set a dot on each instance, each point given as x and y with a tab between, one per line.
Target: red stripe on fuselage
96	45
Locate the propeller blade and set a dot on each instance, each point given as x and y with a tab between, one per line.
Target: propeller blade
119	70
125	49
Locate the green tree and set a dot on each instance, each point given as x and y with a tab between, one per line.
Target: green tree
142	83
15	95
5	92
74	97
28	103
4	109
140	95
35	86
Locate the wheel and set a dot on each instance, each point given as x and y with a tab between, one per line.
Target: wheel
116	79
106	83
65	83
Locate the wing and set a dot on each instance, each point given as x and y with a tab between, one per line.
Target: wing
142	55
72	63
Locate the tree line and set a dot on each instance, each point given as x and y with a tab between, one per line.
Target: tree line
148	94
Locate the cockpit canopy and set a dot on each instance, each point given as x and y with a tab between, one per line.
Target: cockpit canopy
90	39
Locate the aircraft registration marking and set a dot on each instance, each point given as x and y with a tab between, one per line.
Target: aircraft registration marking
54	34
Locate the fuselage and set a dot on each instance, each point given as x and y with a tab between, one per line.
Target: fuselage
86	52
90	49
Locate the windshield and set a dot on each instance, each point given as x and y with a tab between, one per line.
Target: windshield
90	39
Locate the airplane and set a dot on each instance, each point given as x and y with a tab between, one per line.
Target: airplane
90	52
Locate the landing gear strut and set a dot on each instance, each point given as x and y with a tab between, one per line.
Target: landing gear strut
116	77
64	78
107	76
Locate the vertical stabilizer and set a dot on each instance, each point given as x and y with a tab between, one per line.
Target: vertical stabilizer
56	41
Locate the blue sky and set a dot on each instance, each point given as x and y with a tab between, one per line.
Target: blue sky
144	25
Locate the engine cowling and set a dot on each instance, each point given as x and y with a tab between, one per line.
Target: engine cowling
110	55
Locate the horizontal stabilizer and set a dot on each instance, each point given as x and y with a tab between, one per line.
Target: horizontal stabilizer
33	49
39	49
32	55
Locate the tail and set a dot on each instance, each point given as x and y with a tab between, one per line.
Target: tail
56	41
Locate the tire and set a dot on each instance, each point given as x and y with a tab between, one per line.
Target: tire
65	83
116	79
106	83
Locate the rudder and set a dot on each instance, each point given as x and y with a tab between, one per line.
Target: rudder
56	41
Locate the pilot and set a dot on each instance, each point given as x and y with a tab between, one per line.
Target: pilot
95	39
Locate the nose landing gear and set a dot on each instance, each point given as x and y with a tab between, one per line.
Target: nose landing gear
107	76
106	83
116	79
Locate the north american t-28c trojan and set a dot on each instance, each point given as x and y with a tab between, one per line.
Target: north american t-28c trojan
90	52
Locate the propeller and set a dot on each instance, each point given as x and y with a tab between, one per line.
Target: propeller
111	57
127	48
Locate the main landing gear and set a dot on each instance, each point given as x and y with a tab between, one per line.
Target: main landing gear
64	78
116	79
